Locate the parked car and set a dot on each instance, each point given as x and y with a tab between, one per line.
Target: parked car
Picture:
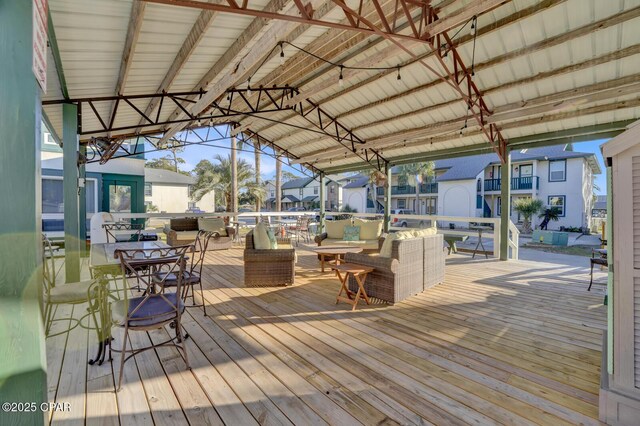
408	222
194	210
297	209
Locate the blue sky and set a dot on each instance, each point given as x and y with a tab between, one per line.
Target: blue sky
194	153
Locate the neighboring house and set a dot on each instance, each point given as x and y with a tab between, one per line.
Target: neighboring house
171	192
305	193
270	192
116	186
470	186
356	194
599	206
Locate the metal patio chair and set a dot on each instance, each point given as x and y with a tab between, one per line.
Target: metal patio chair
113	236
157	306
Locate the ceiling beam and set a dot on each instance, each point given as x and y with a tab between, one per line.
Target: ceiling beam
544	44
357	23
559	96
235	64
438	129
581	134
198	30
477	7
133	31
55	51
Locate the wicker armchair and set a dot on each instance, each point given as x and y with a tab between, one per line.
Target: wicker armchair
268	268
415	264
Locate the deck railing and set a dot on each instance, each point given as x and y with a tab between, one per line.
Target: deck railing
518	183
425	188
462	225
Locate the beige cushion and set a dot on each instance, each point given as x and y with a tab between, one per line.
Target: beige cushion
404	235
186	235
261	239
387	246
364	244
335	228
213	224
369	229
70	292
425	232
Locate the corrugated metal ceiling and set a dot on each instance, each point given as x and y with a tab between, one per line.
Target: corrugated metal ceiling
526	52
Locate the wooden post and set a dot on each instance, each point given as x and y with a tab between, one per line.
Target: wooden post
70	189
505	205
256	156
82	202
23	365
387	198
234	175
278	185
323	196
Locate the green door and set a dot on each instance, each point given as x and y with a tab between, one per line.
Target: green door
122	194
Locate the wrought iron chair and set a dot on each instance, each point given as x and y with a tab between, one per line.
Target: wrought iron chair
157	307
300	229
600	260
192	276
65	294
113	236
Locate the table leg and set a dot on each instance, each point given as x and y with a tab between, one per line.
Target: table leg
343	286
322	262
362	293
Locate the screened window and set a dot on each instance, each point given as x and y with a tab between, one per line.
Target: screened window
558	202
148	189
53	196
557	170
315	190
402	204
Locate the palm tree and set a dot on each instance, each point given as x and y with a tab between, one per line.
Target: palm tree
416	172
527	207
219	177
549	214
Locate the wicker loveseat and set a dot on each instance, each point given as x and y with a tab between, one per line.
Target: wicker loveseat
415	265
371	231
268	268
184	231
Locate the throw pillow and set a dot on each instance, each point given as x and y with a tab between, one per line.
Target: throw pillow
335	228
352	233
369	229
261	237
273	241
387	246
213	224
425	232
406	234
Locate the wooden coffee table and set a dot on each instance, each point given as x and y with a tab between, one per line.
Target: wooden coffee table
335	253
359	272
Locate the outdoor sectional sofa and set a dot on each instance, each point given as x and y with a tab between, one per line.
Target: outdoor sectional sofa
184	231
415	265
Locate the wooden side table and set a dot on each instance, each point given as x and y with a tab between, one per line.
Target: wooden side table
334	253
359	272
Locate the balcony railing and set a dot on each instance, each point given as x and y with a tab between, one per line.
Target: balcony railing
519	183
425	188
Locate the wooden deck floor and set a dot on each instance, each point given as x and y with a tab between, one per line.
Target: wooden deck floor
498	342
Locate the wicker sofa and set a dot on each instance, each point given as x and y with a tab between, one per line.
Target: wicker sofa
184	231
369	244
415	265
269	268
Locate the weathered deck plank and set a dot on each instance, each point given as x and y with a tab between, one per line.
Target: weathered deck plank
497	343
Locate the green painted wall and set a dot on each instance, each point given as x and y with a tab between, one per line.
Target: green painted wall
22	349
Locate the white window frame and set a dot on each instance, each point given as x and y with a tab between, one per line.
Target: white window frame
564	204
564	176
150	194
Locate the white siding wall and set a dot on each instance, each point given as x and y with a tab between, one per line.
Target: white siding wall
571	188
356	198
175	198
457	198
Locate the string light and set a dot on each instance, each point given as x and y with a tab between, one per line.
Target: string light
473	28
281	54
249	86
340	78
399	77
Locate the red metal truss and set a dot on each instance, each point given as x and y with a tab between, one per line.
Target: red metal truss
404	10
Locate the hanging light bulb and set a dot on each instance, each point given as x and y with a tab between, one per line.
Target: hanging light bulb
249	86
474	25
199	122
340	78
281	55
399	77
